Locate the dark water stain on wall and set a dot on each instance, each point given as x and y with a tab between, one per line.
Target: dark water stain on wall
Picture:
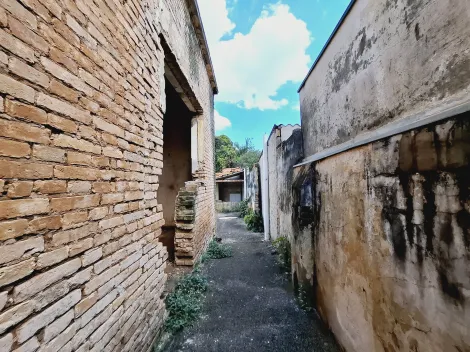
436	160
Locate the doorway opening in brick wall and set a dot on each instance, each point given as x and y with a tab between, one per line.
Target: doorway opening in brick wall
176	161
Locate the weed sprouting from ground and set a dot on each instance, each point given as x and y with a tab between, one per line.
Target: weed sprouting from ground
282	246
304	298
243	208
253	221
216	250
185	304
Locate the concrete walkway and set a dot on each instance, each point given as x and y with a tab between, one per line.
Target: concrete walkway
249	306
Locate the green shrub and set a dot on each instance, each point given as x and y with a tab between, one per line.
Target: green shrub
185	304
243	208
254	221
216	250
282	246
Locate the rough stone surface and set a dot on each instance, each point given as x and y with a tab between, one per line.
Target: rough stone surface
82	101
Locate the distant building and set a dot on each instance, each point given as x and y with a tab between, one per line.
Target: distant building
230	187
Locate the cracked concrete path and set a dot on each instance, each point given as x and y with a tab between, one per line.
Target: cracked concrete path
249	306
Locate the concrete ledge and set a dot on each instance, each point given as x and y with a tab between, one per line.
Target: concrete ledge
403	125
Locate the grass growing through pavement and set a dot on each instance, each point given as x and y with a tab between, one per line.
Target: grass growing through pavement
216	250
282	246
185	303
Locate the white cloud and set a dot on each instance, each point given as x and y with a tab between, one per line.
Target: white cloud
221	122
250	68
216	22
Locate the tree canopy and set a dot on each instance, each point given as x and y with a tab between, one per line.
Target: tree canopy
230	154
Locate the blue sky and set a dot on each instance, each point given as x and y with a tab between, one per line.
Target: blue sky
261	51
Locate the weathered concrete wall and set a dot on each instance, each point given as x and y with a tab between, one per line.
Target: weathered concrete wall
392	241
81	108
225	207
284	151
290	153
381	236
253	187
388	60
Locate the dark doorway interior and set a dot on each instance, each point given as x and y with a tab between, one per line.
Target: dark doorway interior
176	161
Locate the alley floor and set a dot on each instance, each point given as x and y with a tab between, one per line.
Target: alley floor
249	305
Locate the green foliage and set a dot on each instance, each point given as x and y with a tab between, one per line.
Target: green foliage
303	299
243	208
247	154
225	153
185	304
216	250
282	246
253	221
229	154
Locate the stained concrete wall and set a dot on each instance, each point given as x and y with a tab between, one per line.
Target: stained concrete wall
381	231
284	149
253	188
388	60
387	250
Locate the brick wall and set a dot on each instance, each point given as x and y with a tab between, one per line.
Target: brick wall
81	108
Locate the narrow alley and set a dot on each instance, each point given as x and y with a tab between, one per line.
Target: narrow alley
249	304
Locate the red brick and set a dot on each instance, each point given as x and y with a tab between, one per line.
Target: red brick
66	32
44	223
75	158
38	8
3	18
19	30
63	108
103	187
60	57
50	187
24	131
22	69
48	153
61	123
53	7
23	207
14	149
74	218
79	187
79	173
12	229
24	170
63	91
10	274
20	189
18	11
108	127
66	76
77	202
65	141
17	89
28	112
